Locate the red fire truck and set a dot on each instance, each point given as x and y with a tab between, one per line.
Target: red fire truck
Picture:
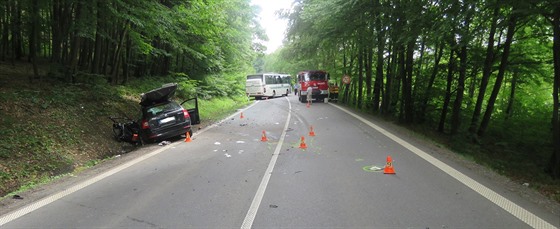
317	80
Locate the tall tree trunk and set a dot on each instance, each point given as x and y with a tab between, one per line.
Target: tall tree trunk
33	38
360	88
346	87
450	71
5	20
407	82
428	93
401	74
396	89
117	56
128	54
17	37
369	73
386	103
379	65
76	45
456	110
554	162
419	79
56	29
503	64
96	63
457	104
105	70
509	109
486	71
472	86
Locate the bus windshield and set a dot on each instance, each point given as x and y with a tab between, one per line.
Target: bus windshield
254	77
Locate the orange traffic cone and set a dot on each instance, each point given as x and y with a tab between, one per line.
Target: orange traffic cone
188	138
302	144
263	138
389	166
311	132
241	116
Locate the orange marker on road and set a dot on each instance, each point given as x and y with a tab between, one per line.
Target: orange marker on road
302	144
389	166
188	138
311	132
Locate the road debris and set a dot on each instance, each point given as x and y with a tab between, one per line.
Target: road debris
372	168
164	143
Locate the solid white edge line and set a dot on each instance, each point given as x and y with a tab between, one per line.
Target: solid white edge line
227	118
252	212
514	209
49	199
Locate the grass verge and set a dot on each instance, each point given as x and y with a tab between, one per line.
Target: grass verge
51	128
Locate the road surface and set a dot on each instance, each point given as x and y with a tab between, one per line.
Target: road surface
228	177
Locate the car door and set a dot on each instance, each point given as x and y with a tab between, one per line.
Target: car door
191	105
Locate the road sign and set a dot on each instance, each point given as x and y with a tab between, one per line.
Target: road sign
346	79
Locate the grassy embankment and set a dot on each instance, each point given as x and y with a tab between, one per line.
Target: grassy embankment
50	128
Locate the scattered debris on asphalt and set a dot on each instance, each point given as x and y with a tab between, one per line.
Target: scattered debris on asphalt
164	143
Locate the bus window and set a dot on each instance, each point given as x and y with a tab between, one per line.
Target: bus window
270	79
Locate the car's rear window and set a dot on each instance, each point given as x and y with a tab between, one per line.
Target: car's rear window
162	108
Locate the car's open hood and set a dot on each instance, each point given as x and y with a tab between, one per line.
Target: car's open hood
162	94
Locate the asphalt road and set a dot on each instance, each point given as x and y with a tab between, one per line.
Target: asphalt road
227	177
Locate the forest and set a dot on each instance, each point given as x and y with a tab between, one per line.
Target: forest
482	74
67	65
115	40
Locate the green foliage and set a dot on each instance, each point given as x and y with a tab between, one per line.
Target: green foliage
216	109
72	131
222	86
206	47
332	35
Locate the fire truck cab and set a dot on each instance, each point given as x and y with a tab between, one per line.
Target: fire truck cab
317	80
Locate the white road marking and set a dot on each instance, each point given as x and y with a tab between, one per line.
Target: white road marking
516	210
252	212
49	199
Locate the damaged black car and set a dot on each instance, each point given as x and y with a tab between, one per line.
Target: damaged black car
161	117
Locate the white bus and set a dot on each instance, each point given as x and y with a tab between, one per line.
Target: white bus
268	85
